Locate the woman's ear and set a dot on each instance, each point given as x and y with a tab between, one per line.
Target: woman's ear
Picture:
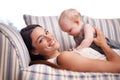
35	52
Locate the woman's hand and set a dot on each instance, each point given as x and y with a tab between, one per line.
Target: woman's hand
100	38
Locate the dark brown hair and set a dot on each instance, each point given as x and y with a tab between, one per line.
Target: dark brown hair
35	59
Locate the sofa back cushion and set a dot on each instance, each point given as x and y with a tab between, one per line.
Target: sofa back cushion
13	53
110	27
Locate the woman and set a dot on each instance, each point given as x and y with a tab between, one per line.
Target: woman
42	45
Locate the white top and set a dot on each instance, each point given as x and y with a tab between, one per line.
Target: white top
91	53
53	60
87	52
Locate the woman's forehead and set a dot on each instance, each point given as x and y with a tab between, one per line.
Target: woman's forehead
37	32
38	29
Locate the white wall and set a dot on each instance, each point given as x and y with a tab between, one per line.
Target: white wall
14	9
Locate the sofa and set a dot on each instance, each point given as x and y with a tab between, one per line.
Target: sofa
15	59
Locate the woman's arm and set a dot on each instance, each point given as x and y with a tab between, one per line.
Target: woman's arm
101	42
76	62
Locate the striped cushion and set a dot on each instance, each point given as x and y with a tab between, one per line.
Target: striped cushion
13	53
43	72
110	27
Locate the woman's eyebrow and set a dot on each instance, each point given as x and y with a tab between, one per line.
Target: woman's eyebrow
40	35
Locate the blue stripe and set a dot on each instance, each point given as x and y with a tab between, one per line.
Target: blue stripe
32	75
9	62
0	46
30	19
116	77
118	21
58	77
71	77
70	43
115	31
4	68
87	21
61	37
53	26
105	77
37	20
93	23
108	29
15	70
94	77
82	77
44	21
44	77
101	26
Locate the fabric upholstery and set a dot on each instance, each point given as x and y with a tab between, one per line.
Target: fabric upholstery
110	27
13	53
43	72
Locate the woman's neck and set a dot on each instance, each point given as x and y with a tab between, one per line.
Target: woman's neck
52	55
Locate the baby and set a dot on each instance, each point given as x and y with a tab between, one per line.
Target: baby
70	21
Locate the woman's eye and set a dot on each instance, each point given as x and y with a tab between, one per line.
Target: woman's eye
47	32
40	40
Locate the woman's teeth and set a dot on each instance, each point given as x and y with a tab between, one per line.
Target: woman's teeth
52	43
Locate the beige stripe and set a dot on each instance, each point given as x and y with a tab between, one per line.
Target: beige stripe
111	29
2	56
40	21
5	59
117	24
14	65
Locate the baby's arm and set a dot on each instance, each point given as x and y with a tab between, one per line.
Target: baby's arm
88	36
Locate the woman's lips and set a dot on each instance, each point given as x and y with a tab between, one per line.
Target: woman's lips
52	43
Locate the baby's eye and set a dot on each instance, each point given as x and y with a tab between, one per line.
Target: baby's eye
69	30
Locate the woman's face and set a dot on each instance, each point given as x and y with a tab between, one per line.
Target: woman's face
43	42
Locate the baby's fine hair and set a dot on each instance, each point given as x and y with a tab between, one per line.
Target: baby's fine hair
71	14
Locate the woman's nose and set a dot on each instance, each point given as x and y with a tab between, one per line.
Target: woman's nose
49	37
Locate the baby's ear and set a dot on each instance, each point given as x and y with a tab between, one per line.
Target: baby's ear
35	52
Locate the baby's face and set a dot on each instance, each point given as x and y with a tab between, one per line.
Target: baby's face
71	28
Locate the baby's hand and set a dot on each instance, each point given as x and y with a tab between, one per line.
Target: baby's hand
72	49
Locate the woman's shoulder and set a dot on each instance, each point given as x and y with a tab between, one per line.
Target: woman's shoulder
64	56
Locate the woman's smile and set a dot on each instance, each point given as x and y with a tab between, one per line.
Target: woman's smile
52	43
